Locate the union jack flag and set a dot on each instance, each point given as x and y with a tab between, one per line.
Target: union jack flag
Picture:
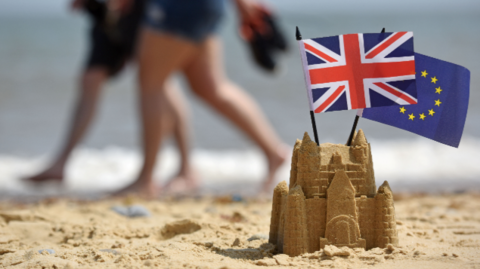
357	71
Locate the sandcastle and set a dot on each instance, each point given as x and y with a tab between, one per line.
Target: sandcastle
332	200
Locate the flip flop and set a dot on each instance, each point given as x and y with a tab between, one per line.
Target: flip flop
264	39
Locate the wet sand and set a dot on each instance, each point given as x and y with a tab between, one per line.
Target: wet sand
434	232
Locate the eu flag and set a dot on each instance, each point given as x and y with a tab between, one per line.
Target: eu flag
442	92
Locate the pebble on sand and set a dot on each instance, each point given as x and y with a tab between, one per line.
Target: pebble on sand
47	250
114	252
186	226
133	211
331	250
258	237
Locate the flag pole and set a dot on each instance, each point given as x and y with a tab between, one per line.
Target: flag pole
352	132
312	113
355	122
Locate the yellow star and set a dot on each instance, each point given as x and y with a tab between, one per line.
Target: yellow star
437	102
434	80
411	117
424	73
422	116
431	112
438	90
402	110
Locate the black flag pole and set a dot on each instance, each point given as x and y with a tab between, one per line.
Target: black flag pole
355	122
312	113
352	132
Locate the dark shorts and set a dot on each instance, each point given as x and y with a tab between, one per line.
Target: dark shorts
112	45
193	20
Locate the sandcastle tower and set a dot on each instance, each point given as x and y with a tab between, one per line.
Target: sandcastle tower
332	200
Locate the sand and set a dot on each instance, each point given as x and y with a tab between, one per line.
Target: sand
434	232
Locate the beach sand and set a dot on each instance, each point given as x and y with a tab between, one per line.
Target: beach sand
434	231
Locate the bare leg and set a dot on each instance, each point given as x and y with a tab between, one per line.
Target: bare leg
159	55
91	83
186	180
205	75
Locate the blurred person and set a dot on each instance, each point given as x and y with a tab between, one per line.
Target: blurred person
180	35
112	44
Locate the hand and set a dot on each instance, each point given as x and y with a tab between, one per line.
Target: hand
250	10
120	6
77	4
251	15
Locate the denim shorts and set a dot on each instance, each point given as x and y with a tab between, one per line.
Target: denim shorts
193	20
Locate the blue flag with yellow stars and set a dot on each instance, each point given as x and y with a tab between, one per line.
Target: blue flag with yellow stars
442	92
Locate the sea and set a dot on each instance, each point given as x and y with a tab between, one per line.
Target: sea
42	54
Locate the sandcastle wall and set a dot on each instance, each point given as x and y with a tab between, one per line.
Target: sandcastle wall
316	223
332	199
366	219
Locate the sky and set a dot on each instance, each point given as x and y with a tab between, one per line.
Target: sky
60	7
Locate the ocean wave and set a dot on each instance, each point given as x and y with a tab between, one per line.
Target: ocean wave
408	165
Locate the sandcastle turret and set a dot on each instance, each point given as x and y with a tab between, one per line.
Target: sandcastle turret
332	199
295	241
359	139
279	198
293	169
386	230
362	153
308	163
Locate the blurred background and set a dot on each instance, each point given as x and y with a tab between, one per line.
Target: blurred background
42	49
